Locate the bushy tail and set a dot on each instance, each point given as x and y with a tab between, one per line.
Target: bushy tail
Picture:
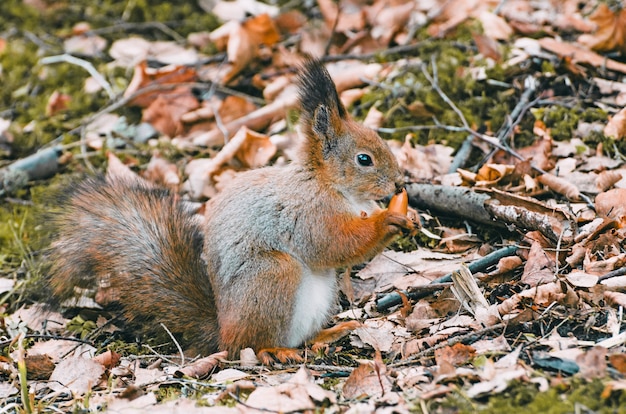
140	248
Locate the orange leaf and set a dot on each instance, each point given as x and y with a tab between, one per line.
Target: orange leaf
144	76
611	32
616	127
57	102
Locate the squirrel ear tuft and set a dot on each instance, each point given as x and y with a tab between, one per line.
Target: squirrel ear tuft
317	88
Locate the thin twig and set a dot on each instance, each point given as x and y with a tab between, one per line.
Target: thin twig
490	140
449	342
83	64
478	265
180	350
333	30
50	337
162	26
614	273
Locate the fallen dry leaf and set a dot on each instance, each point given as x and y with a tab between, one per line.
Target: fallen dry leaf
299	393
423	162
76	374
39	367
57	102
158	80
593	363
163	172
540	267
388	19
203	367
610	34
612	204
560	185
616	127
351	16
108	359
606	179
495	27
578	54
582	279
619	362
165	112
86	45
256	150
456	355
368	379
244	42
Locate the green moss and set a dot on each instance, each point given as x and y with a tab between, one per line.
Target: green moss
484	105
523	397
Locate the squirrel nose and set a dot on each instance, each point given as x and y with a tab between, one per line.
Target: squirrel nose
399	184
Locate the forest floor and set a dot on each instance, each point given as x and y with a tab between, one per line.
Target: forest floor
507	118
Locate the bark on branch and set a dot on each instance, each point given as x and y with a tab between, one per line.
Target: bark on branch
495	208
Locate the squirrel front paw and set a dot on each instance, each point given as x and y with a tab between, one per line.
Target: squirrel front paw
399	224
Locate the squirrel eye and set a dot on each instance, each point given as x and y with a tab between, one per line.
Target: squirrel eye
364	160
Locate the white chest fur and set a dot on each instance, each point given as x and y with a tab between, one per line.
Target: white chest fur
362	206
314	300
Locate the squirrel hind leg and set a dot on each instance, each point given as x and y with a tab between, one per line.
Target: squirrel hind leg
254	312
268	356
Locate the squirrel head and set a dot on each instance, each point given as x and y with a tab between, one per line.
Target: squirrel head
349	156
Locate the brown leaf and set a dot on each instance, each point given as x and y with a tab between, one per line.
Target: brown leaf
300	393
619	362
616	127
580	55
244	42
388	19
612	204
423	162
456	355
290	21
257	119
202	367
611	30
560	185
39	367
452	14
539	267
117	169
490	174
163	172
166	111
366	380
353	74
351	18
57	102
77	374
256	151
593	363
374	118
167	75
615	298
86	45
495	27
487	46
542	295
582	279
108	359
606	179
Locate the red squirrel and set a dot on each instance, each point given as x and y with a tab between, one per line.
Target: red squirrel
259	271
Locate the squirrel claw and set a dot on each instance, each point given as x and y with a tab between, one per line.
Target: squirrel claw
268	356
